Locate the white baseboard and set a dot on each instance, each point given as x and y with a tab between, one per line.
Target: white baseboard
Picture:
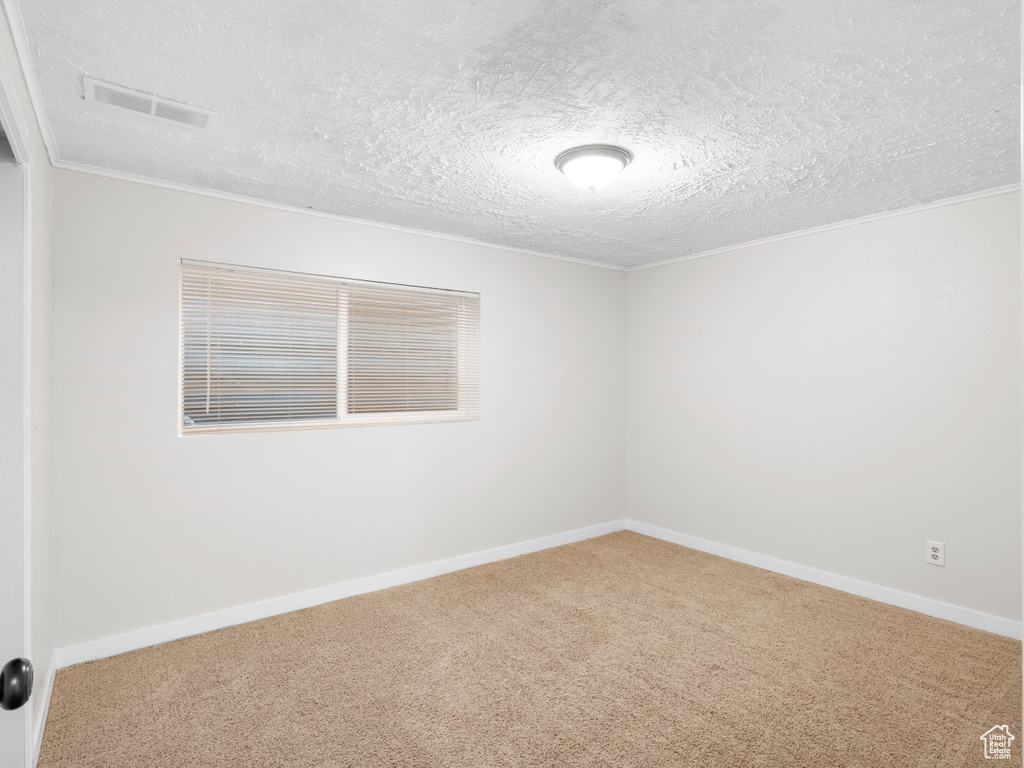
926	605
40	726
176	630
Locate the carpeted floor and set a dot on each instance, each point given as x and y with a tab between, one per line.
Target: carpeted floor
619	651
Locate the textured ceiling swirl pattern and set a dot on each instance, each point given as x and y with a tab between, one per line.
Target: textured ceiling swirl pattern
747	119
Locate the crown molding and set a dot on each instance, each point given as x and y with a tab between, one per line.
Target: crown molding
207	192
123	176
21	48
12	117
837	225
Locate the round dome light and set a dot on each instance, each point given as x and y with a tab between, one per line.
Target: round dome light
593	166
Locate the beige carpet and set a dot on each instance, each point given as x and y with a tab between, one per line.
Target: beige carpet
617	651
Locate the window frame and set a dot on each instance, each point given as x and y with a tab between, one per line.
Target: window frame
467	386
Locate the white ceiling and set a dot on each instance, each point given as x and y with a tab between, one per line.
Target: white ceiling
747	118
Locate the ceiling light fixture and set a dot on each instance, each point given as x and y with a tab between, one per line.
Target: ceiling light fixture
593	166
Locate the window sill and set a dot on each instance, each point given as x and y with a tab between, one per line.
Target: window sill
362	420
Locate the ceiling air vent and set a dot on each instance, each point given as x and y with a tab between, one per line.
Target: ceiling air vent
125	98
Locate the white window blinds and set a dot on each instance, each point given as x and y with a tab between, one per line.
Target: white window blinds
275	350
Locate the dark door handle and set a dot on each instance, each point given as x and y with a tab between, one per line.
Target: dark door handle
15	683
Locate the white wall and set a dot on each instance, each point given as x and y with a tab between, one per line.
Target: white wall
832	399
154	527
836	398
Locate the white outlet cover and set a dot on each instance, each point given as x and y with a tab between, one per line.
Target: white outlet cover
935	553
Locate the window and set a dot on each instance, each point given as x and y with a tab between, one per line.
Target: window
275	350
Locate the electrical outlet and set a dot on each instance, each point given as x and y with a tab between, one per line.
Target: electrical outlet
936	553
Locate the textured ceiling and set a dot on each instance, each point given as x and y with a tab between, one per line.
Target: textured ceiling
747	118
